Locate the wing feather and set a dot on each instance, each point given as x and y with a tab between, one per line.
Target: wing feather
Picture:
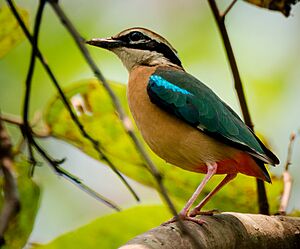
193	102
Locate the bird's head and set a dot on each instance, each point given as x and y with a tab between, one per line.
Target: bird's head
139	46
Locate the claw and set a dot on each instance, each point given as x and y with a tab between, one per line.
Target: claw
184	217
196	212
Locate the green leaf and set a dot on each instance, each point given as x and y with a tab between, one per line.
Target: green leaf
11	33
96	112
19	230
98	116
111	231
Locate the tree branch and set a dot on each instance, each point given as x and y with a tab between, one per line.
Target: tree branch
224	231
220	19
11	202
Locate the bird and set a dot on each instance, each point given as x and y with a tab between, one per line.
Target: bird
181	119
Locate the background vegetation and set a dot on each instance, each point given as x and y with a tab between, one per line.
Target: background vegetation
267	48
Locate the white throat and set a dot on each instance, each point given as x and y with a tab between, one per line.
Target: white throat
135	57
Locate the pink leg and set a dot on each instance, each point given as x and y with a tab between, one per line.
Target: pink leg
197	209
183	214
211	170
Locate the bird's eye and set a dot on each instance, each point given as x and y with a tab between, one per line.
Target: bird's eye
136	36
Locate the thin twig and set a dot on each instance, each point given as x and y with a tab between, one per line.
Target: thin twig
228	9
73	179
18	122
290	151
11	202
11	119
232	62
287	178
26	129
261	191
65	101
123	117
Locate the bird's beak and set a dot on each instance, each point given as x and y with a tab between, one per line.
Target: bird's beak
107	43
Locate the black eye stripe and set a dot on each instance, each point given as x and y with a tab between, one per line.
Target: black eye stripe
153	45
146	43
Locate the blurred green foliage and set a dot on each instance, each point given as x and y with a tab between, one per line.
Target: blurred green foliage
267	50
10	32
111	231
21	226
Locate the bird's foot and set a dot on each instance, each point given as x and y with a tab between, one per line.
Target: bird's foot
196	212
184	217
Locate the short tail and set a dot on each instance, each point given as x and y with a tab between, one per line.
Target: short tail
269	157
265	172
252	166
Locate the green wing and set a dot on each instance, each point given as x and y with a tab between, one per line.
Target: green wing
183	95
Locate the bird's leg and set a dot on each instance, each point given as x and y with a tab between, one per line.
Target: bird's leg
183	214
211	170
197	209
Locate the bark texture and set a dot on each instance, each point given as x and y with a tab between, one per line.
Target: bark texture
226	230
